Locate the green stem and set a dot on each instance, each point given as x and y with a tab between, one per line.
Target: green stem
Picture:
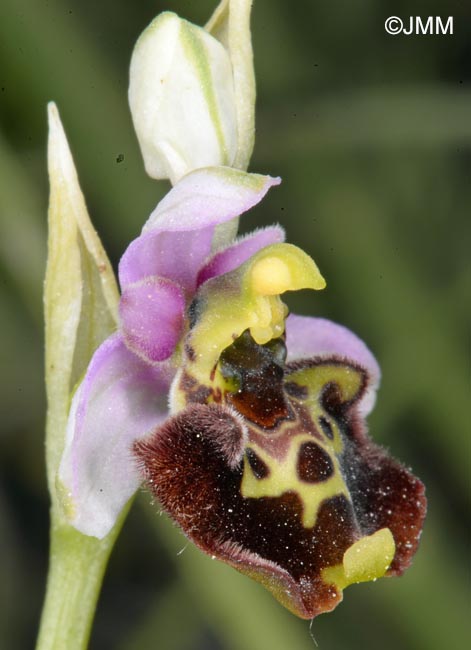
77	566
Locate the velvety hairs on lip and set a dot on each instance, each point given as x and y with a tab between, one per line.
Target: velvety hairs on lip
261	453
303	502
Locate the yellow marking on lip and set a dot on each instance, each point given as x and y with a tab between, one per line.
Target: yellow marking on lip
348	379
283	477
367	559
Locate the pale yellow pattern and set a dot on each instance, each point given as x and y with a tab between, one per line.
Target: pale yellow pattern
283	478
315	380
317	412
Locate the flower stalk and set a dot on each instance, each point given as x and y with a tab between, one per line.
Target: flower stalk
77	566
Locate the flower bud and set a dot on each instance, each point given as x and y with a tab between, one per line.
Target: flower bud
182	101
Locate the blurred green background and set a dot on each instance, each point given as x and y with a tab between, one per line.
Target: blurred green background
372	136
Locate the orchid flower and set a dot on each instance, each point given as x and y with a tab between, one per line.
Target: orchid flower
260	453
247	424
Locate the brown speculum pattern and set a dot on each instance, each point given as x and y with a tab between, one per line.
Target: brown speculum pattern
269	468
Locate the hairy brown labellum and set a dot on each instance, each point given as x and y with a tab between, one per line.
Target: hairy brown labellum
281	481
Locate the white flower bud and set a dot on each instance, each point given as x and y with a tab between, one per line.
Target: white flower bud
182	99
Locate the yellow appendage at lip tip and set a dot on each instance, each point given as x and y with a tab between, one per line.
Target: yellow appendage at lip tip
367	559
